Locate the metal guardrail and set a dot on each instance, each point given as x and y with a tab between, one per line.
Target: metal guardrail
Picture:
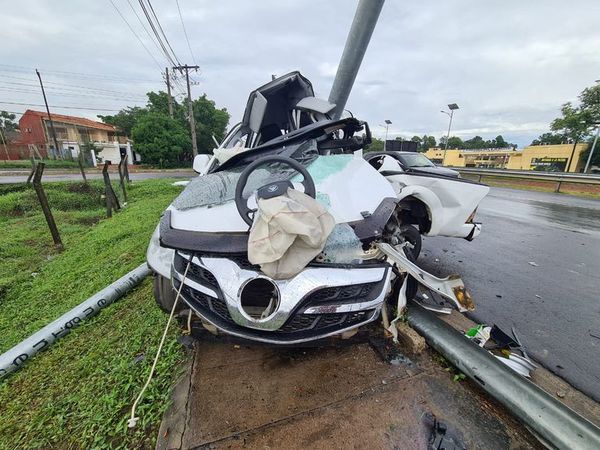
533	175
553	421
558	177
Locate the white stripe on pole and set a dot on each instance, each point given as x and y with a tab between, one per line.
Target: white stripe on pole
14	358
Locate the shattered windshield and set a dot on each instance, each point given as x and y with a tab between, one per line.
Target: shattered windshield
219	187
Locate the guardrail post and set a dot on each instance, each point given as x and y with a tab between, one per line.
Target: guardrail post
558	185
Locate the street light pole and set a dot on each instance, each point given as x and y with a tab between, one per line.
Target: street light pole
452	107
587	164
387	125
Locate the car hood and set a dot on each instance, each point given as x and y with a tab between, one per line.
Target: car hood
436	171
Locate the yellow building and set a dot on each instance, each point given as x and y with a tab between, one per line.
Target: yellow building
534	157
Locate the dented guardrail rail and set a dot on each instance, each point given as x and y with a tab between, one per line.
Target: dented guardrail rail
14	358
553	421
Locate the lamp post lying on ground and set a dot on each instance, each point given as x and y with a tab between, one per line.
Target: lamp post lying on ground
452	107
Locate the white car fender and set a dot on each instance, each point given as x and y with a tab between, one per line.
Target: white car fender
435	211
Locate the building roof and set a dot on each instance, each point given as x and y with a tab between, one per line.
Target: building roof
81	121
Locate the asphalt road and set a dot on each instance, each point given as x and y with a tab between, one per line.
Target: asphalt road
49	176
535	266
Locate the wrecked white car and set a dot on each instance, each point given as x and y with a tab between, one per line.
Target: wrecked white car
289	235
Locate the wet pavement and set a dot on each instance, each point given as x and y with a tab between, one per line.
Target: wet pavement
335	397
535	266
49	176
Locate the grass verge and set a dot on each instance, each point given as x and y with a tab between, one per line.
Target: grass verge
77	394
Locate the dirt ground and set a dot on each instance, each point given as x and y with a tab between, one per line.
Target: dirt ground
350	396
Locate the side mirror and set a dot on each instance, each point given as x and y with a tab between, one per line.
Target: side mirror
201	163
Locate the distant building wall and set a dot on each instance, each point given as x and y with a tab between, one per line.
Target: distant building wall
534	157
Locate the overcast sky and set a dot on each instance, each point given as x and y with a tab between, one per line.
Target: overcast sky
508	64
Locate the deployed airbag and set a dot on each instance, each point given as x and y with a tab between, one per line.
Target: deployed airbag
287	233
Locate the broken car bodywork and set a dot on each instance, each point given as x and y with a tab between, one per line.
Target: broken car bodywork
378	212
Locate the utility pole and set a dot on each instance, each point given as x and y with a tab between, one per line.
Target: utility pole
4	143
187	68
49	116
168	80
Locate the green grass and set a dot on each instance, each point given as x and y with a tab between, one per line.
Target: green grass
50	164
77	393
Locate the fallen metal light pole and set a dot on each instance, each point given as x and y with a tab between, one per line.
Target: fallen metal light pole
365	19
14	358
552	420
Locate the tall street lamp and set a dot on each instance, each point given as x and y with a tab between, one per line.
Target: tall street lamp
387	125
452	107
587	164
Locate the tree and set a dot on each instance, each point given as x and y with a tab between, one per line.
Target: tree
160	139
590	102
499	142
376	145
476	142
125	119
7	122
209	121
574	125
427	143
549	139
453	142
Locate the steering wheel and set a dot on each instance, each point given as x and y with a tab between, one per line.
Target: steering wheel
272	189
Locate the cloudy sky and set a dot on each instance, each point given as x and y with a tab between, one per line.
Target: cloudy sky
508	64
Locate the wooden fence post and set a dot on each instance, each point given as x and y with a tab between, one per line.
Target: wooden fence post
112	202
41	195
79	161
30	177
122	169
127	169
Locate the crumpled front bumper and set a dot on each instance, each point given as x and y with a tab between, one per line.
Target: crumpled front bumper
316	303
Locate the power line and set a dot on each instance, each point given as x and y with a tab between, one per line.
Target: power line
143	26
31	91
68	85
161	30
154	30
60	107
135	34
185	33
101	77
75	92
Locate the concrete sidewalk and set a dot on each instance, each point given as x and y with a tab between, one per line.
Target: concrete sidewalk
339	397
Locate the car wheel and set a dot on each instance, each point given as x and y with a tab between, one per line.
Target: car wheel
411	235
164	294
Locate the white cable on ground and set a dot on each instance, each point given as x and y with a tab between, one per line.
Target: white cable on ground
132	422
